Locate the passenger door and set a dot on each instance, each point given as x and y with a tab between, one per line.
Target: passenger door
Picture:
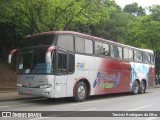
61	74
65	64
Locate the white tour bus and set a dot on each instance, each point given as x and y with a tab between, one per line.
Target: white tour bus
71	64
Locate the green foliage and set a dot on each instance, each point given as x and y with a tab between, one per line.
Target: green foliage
155	12
134	9
61	14
114	28
13	26
102	18
144	33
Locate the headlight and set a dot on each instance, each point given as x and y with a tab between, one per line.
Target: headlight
45	86
19	85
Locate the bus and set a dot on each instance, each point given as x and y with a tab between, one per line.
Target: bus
61	64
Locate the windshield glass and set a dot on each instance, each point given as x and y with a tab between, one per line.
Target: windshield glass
33	61
38	40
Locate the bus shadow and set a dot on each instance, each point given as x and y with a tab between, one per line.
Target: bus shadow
58	101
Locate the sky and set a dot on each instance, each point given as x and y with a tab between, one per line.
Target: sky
143	3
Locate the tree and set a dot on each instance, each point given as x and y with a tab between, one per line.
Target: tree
134	9
155	12
114	28
22	17
60	14
13	26
144	33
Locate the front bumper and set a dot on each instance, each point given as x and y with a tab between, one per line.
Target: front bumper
45	92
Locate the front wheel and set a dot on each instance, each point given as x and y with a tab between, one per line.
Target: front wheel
142	87
135	88
81	92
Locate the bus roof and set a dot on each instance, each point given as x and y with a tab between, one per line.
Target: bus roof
89	37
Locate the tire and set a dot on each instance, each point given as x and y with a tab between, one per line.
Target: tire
135	88
81	92
142	88
156	81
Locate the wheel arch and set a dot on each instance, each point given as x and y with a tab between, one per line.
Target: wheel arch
145	81
136	80
86	81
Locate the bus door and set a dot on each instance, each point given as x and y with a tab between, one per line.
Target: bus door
61	74
65	67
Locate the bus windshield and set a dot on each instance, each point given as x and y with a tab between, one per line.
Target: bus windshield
38	40
33	61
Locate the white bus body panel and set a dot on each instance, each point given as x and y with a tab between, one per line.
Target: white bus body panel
86	67
61	86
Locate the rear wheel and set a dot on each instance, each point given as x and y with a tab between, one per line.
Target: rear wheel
81	92
135	88
142	87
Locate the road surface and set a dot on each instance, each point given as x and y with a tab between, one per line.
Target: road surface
112	102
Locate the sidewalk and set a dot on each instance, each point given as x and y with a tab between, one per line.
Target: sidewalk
12	94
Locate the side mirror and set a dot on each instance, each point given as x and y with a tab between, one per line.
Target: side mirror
11	55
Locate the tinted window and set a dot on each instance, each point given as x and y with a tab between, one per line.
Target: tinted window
138	56
62	62
38	40
152	59
66	42
33	61
25	61
79	44
71	63
146	58
88	46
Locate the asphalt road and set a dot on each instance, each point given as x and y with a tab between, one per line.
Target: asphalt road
112	102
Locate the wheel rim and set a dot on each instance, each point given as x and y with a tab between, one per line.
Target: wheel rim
142	87
81	92
136	87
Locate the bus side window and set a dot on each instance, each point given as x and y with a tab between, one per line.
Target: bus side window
98	48
71	63
116	52
62	62
105	49
120	52
126	53
130	54
88	46
66	42
146	57
79	44
152	59
138	56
